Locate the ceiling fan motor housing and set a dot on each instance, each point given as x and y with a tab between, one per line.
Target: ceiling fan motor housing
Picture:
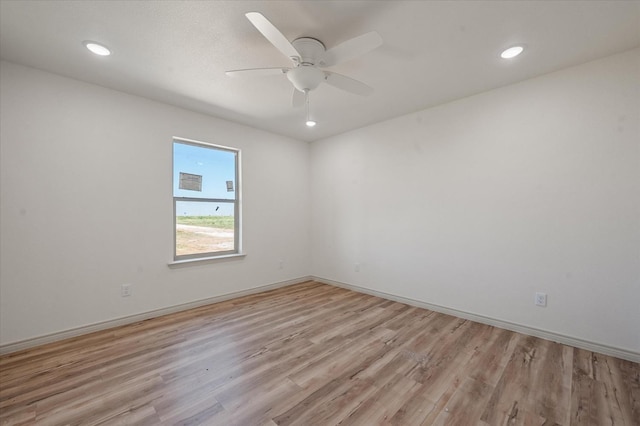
310	50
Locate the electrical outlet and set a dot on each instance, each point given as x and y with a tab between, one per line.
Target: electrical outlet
356	267
280	264
541	299
125	290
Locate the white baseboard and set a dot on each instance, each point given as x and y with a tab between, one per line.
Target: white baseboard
78	331
519	328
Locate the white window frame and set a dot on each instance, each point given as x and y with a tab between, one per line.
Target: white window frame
237	241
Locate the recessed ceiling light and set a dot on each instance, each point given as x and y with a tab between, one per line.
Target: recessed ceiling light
512	52
97	48
310	123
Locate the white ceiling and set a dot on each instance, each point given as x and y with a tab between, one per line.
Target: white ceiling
433	52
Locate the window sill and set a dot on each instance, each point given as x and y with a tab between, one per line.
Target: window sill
187	262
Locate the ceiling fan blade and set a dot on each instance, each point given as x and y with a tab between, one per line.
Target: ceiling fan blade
351	49
348	84
298	99
273	34
257	72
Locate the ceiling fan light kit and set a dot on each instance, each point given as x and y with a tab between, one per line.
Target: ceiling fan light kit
305	77
308	55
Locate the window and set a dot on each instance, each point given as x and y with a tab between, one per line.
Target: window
205	200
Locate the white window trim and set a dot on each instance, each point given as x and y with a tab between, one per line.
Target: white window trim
211	256
222	257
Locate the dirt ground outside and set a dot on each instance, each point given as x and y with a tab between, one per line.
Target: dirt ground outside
191	239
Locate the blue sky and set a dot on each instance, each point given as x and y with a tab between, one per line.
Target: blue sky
216	168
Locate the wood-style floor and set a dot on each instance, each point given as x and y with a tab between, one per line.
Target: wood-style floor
313	354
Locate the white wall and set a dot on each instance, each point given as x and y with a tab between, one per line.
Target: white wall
477	204
473	205
86	205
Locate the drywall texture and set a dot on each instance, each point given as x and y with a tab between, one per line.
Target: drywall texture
477	204
86	189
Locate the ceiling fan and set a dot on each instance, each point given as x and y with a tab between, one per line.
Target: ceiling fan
309	55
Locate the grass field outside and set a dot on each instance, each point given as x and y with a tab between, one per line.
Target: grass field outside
222	222
204	234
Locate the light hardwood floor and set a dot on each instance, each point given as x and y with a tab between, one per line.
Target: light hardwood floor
313	354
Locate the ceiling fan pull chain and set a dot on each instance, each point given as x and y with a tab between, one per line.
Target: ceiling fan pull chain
309	122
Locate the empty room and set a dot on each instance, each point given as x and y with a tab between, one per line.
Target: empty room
319	212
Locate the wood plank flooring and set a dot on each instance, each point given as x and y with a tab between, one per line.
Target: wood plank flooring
313	354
